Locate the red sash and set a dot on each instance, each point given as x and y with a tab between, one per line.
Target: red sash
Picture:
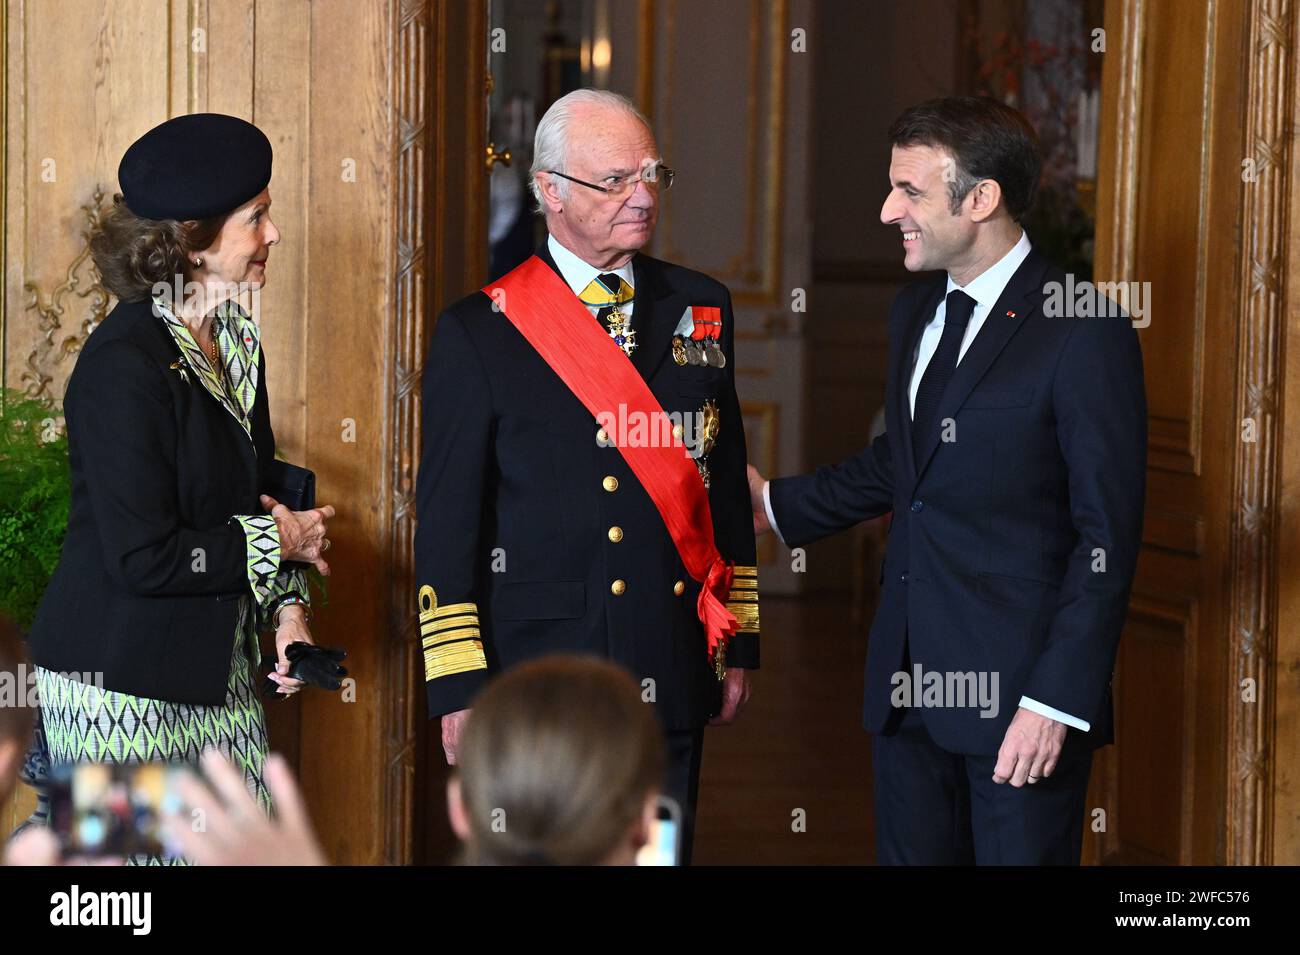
601	376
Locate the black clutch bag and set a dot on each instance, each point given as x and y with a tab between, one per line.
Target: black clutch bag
292	486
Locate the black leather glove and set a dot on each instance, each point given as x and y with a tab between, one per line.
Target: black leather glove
317	666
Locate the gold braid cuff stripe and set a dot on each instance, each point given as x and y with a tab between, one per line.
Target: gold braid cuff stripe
746	615
742	601
450	636
434	618
431	627
447	659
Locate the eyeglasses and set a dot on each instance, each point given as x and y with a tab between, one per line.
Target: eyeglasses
618	187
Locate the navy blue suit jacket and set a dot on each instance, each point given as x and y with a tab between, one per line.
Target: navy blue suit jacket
1013	545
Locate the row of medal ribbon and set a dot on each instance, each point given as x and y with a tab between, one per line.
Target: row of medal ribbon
704	351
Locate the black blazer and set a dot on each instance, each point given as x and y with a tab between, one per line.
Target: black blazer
992	562
515	518
146	589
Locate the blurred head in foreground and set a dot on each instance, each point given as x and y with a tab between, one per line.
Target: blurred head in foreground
560	764
15	715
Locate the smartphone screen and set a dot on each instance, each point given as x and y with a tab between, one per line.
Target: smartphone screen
111	809
664	845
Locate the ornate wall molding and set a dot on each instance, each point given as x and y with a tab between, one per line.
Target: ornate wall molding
753	271
1260	324
406	343
81	280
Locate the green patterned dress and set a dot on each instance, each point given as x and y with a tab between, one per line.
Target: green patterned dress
83	723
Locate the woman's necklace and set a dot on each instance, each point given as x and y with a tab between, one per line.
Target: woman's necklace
214	353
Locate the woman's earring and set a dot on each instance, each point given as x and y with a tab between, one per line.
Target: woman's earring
198	263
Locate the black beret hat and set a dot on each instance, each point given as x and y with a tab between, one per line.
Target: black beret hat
195	167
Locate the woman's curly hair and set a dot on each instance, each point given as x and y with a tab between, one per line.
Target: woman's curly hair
133	254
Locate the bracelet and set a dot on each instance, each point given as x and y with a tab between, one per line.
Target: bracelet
287	601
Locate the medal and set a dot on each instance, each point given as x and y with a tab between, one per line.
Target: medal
710	424
679	350
607	294
700	333
706	329
624	337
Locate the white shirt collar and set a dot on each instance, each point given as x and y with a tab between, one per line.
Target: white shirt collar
987	287
577	273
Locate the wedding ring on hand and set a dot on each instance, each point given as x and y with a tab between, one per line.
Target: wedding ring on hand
325	545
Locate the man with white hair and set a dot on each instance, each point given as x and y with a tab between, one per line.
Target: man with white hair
582	486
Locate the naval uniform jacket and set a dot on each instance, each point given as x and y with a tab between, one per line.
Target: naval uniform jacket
166	535
533	538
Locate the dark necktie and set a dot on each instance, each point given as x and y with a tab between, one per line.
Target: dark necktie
957	313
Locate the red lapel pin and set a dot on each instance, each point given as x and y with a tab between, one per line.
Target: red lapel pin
1011	314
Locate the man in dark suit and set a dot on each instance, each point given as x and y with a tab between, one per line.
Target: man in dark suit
535	535
1014	464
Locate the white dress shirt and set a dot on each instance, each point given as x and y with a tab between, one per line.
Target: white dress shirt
985	289
578	274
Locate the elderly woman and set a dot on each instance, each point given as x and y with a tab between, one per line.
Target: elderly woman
146	642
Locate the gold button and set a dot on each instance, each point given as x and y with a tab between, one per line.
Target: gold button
678	432
617	588
616	534
679	588
602	436
610	483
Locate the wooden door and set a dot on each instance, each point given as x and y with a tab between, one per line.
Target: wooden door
1198	104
